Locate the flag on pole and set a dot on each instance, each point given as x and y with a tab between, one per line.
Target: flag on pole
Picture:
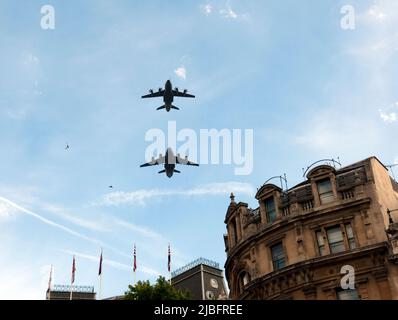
50	279
100	265
73	270
135	259
169	260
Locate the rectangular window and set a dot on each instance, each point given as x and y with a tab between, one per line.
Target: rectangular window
325	191
278	256
350	236
321	243
336	240
347	295
270	210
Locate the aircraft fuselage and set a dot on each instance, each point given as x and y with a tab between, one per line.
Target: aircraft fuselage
168	96
169	167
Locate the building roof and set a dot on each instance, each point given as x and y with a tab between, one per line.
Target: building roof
194	264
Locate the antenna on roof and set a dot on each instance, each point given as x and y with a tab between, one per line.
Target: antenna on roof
390	168
281	179
329	162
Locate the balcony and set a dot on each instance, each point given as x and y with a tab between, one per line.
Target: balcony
307	205
347	194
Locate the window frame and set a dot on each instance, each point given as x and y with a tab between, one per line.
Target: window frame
351	240
267	213
336	244
329	192
350	243
275	262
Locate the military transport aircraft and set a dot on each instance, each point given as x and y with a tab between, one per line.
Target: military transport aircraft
169	161
168	94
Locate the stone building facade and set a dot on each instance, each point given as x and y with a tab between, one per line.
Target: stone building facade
296	244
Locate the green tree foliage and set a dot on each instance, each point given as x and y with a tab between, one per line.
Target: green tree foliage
161	290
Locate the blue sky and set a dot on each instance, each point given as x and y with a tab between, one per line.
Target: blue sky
285	69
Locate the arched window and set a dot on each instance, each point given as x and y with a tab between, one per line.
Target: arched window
243	279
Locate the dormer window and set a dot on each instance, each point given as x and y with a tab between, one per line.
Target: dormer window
325	191
270	209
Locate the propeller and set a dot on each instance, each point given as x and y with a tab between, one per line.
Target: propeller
178	155
150	91
153	158
186	91
160	89
176	89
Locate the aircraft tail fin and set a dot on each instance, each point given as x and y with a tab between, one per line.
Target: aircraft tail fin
174	107
177	171
162	107
163	171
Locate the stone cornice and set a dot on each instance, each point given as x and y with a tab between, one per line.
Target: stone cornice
304	268
270	229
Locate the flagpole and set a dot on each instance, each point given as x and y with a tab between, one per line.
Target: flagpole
135	266
169	264
72	280
100	290
49	283
71	291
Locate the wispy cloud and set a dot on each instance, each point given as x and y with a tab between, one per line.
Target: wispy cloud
207	9
181	72
46	221
30	59
95	225
375	13
388	117
146	232
6	211
60	226
102	224
140	197
228	13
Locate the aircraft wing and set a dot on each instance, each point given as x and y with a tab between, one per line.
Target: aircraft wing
154	94
182	94
154	162
186	162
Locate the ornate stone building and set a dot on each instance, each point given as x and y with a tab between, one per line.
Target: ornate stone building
296	243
